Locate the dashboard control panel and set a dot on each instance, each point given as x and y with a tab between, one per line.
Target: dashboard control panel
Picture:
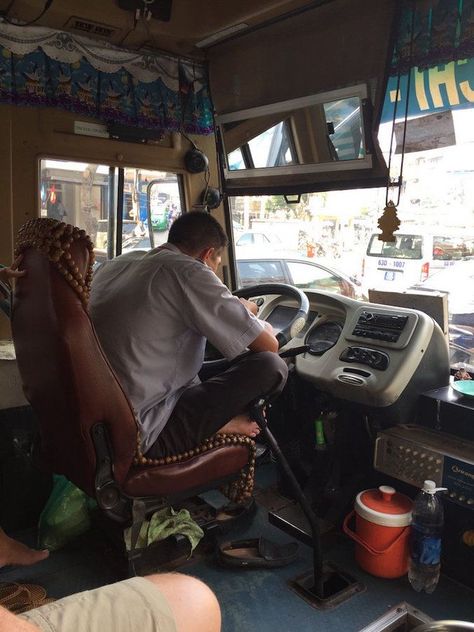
387	327
370	357
414	454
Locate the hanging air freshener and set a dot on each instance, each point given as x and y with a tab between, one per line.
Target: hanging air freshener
388	222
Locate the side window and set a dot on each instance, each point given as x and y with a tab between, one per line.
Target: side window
89	195
254	272
308	276
452	248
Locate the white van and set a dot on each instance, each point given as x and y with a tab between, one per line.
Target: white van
410	259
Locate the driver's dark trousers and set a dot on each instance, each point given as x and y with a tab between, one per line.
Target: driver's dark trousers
203	409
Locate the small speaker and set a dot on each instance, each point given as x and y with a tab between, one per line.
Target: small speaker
196	161
211	198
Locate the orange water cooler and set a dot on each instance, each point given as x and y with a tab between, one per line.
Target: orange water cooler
382	527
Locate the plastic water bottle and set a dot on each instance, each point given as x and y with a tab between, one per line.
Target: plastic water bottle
425	539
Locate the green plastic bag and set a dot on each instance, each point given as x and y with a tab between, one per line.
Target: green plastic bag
65	515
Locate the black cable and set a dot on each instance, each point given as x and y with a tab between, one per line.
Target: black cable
135	22
47	5
405	120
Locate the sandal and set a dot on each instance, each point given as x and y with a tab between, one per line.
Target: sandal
257	553
19	598
233	514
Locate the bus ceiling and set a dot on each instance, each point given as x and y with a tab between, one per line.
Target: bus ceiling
183	27
297	97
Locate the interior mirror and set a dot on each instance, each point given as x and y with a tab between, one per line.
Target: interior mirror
318	133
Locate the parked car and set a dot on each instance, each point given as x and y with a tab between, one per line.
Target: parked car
258	238
457	282
300	272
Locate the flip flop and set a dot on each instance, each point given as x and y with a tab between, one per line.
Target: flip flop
257	553
19	598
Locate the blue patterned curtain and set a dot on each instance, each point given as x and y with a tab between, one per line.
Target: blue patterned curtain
443	32
43	67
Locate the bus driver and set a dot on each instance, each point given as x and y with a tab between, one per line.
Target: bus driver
154	311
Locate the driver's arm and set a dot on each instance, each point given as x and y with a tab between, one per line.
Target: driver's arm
265	341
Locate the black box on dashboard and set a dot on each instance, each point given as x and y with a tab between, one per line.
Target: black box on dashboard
446	410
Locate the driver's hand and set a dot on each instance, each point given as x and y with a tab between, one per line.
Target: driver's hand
250	305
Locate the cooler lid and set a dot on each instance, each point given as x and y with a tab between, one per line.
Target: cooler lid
384	506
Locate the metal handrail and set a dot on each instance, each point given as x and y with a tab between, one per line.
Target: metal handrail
445	626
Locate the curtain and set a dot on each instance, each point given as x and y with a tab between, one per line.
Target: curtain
44	67
443	32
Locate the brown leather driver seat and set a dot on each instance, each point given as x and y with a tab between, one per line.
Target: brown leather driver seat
88	429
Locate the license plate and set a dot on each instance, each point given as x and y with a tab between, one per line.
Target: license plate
389	275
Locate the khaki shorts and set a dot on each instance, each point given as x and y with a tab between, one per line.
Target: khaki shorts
128	606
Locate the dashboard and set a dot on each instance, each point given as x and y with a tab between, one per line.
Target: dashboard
362	352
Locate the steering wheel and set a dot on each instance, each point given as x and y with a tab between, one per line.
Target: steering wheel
291	329
295	324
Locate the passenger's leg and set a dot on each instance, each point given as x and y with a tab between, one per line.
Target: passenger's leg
194	605
205	409
169	603
11	623
13	552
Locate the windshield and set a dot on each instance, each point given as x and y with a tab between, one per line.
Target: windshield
433	249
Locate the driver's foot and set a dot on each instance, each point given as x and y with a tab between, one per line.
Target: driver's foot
241	424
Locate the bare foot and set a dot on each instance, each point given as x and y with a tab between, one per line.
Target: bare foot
13	552
241	424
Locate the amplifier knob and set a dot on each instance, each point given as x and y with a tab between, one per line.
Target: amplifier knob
470	501
452	494
462	498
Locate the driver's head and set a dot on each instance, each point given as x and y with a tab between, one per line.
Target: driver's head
199	235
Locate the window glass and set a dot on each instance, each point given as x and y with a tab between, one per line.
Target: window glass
345	128
404	247
452	248
259	239
272	148
340	229
87	195
79	194
309	276
236	160
245	240
254	272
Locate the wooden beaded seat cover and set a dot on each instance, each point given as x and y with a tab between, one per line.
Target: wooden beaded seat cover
72	388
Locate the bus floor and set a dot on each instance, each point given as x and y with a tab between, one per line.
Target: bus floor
253	600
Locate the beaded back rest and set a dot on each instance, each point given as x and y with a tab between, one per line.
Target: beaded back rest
65	374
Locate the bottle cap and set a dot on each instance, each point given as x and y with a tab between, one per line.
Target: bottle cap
430	487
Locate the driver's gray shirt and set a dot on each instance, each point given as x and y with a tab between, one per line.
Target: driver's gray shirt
153	312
